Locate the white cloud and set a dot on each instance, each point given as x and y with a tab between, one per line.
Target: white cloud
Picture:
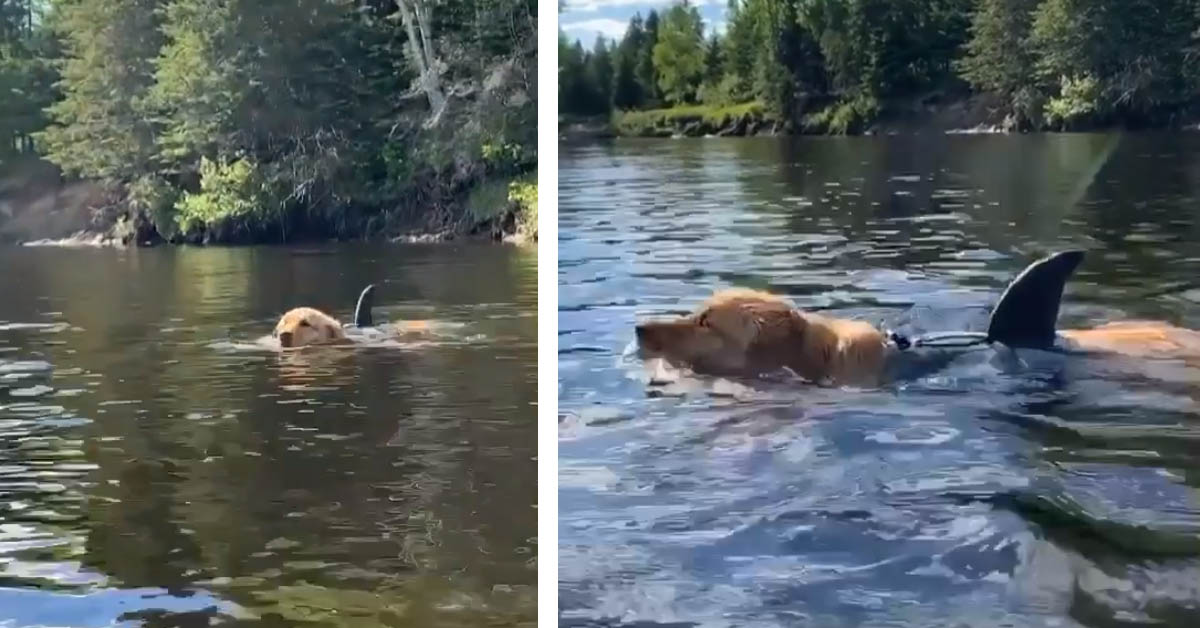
610	28
596	5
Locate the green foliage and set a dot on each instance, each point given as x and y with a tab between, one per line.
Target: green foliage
646	71
233	193
489	200
27	76
198	86
846	116
26	88
155	198
627	92
714	61
999	57
721	94
205	109
523	194
1136	51
679	54
1078	98
619	76
629	88
888	48
602	72
578	90
99	128
666	121
505	157
838	64
740	44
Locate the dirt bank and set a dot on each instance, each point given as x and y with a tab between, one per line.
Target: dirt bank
38	205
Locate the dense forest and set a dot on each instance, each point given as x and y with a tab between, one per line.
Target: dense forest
244	120
840	65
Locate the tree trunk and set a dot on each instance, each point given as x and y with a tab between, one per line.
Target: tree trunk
415	15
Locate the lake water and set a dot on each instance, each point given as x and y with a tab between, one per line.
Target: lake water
1058	492
158	468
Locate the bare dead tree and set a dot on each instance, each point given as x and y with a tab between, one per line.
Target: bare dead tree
415	15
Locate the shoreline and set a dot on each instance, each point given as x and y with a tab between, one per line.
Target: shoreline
99	240
974	115
41	208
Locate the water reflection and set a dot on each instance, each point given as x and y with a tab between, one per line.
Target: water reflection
1048	492
158	467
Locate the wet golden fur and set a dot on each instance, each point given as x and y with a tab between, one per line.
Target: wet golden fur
303	326
747	331
740	331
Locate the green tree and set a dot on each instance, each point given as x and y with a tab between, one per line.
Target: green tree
888	48
679	54
775	29
628	92
601	67
999	58
100	127
1106	57
579	92
27	75
713	61
201	82
646	72
330	111
740	51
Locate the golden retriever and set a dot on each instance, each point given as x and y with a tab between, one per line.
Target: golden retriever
747	332
306	326
742	331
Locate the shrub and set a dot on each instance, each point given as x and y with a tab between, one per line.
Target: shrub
1078	98
155	198
846	116
524	194
231	194
666	121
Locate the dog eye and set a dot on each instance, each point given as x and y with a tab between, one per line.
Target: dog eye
304	324
703	320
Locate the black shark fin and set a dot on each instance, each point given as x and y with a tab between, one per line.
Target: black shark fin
1026	314
362	312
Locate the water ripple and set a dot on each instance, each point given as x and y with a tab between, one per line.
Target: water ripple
988	493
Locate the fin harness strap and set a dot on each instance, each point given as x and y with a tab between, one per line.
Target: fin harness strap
1025	315
944	340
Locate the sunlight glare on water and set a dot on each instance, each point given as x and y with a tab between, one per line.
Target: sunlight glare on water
1051	492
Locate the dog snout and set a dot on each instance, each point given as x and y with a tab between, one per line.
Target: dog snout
285	338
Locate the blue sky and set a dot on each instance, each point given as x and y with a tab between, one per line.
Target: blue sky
585	19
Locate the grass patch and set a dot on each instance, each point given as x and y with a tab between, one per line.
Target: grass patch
709	118
845	117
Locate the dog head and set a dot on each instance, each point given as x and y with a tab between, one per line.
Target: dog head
733	332
304	326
